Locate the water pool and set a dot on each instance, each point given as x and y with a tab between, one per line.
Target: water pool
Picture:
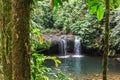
83	66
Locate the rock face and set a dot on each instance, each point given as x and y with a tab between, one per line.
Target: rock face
55	37
91	51
55	41
54	48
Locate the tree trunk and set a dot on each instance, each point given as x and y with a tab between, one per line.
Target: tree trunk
21	49
106	41
6	39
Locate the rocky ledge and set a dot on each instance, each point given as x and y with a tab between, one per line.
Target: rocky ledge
55	37
55	41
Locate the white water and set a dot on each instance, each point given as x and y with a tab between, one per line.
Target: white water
67	56
63	45
77	47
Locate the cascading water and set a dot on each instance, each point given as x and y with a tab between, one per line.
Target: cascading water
77	47
63	45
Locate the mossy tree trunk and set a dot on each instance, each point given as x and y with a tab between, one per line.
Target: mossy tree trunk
6	39
106	41
0	28
20	35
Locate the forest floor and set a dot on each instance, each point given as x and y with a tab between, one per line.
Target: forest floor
99	77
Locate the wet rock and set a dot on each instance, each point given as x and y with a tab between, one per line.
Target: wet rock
55	37
55	40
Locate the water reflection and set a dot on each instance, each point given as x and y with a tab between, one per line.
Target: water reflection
77	66
86	65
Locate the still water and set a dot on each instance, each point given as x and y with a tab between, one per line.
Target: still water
82	66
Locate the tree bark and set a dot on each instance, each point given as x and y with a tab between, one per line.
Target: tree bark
6	39
106	41
21	47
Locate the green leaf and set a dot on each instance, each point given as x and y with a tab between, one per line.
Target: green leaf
56	3
65	0
93	9
60	2
112	7
111	1
100	13
117	2
92	3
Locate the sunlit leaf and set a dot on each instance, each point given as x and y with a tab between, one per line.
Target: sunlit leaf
92	3
100	13
93	9
56	64
55	3
111	1
41	39
35	30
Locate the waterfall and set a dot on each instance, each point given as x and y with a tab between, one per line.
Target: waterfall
77	46
63	45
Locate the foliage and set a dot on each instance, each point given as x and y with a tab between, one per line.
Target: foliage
48	31
67	17
59	75
98	7
73	17
42	15
57	2
92	32
38	70
115	31
37	40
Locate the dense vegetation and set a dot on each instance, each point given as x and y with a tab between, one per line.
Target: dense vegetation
75	18
24	22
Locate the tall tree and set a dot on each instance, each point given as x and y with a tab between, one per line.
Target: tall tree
0	27
20	37
6	39
106	40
